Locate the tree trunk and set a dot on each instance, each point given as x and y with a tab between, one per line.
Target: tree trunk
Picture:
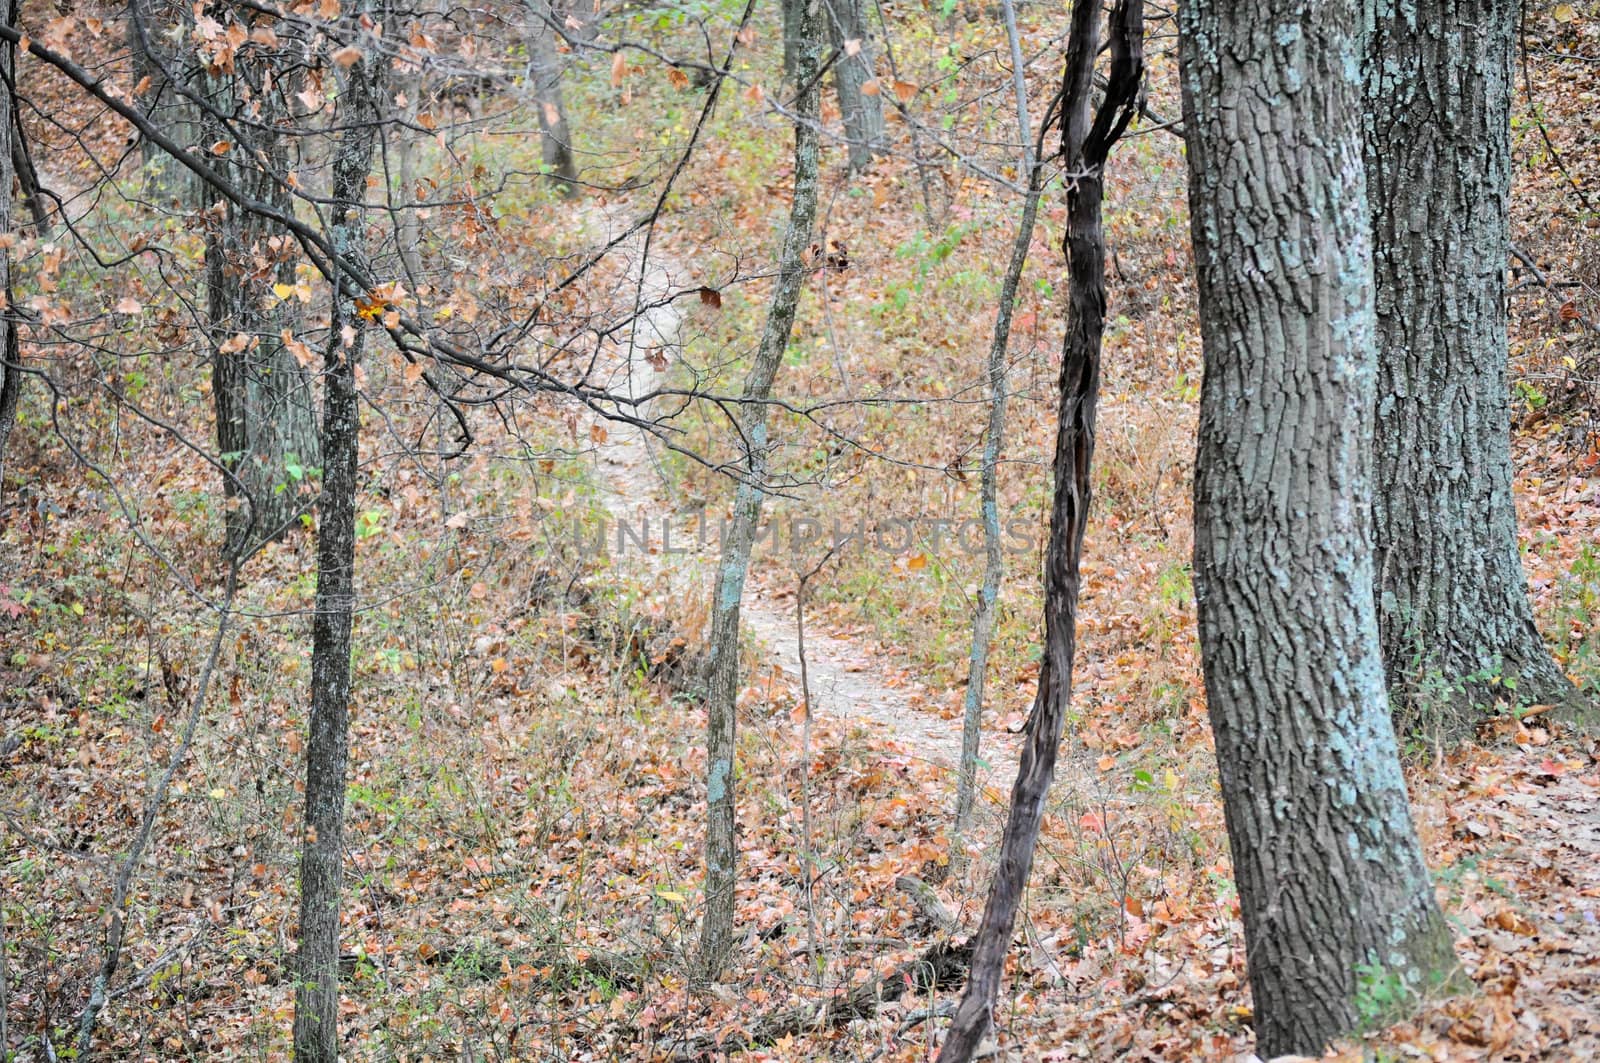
1087	137
545	69
792	13
316	1017
722	687
1337	904
266	415
994	440
10	341
156	56
862	112
1453	606
27	177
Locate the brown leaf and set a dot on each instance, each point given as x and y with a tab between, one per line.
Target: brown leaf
905	91
349	55
678	78
711	297
619	70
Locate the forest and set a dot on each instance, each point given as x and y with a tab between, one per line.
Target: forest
799	530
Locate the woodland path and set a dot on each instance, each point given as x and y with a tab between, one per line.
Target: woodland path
847	679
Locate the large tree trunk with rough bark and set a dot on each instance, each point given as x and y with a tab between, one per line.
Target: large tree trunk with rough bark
1336	899
316	1018
544	71
722	685
265	402
850	33
1086	140
1458	632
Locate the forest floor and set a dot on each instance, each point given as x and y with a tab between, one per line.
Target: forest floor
527	771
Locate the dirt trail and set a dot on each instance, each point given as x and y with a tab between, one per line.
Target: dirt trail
847	680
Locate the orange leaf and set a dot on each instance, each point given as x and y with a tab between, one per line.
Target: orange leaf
619	70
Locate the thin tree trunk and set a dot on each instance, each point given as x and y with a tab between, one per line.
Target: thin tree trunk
266	415
862	112
10	373
160	65
722	688
1453	610
316	1018
27	177
115	920
1336	899
545	69
408	226
1087	137
10	341
793	14
994	441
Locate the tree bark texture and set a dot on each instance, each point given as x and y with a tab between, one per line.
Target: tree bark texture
722	687
1336	900
154	29
265	402
994	438
862	112
1453	607
545	70
316	1017
1087	137
10	340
